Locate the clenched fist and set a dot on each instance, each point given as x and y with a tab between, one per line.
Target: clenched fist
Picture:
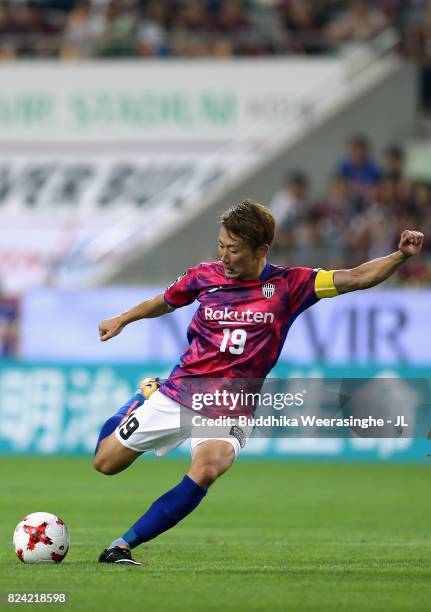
111	327
411	242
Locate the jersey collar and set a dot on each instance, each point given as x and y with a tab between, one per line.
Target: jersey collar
265	272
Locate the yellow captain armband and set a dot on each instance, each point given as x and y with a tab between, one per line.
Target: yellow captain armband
324	284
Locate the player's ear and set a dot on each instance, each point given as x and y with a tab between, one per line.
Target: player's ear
262	251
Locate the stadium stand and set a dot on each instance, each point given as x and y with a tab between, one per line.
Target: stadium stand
361	199
73	29
362	213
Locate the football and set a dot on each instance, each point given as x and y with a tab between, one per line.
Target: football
41	537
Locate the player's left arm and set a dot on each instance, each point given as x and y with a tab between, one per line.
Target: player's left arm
378	270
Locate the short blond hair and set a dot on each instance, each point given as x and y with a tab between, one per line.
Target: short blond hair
251	221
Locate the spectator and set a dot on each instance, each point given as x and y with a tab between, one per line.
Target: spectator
193	17
361	21
83	26
36	30
303	26
336	212
394	162
118	37
190	30
8	326
394	189
392	195
234	29
290	206
5	17
232	17
419	47
152	29
420	204
360	169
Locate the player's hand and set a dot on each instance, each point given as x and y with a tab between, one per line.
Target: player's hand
111	327
411	242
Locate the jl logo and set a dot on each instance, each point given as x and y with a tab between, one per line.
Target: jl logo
268	290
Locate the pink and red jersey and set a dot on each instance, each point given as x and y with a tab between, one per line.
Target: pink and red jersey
240	327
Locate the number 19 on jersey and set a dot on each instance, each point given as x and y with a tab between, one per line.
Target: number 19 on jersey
233	341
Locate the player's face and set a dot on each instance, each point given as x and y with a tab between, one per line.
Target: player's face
239	260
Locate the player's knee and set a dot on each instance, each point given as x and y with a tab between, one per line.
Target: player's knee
208	473
213	467
102	465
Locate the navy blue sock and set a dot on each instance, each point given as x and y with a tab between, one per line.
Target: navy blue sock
112	423
166	512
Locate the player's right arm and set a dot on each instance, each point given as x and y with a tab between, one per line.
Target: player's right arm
156	307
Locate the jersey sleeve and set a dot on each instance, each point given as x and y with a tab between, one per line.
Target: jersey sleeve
301	289
324	285
184	290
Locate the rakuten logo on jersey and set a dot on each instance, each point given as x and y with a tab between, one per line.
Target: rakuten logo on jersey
245	316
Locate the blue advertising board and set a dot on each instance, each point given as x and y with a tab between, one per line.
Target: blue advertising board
375	326
49	409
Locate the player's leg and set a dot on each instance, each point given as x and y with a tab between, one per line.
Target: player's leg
156	426
112	457
111	424
147	387
210	459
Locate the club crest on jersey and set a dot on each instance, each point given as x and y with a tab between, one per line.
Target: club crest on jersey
268	290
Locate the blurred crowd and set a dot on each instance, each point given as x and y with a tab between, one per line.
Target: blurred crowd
82	29
368	203
369	199
194	28
9	325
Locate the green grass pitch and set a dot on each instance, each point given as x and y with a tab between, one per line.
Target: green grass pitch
269	536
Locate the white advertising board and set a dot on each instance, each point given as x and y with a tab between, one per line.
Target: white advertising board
52	206
157	100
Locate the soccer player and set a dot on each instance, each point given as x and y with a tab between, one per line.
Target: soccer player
247	306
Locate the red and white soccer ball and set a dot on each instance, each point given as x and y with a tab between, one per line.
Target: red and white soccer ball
41	537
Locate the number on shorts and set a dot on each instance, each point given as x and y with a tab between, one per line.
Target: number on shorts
237	339
129	427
